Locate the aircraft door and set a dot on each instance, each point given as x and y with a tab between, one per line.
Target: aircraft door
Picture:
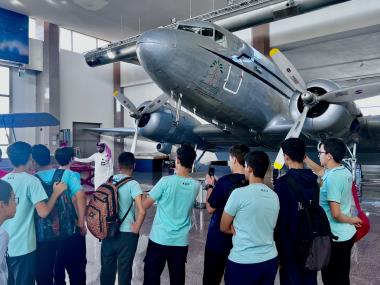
234	78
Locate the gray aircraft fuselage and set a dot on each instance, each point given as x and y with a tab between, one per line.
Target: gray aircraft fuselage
233	86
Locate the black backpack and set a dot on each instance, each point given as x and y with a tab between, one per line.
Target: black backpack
60	223
314	237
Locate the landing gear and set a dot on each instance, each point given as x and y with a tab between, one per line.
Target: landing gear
355	168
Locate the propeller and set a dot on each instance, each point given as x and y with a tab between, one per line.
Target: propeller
137	114
310	99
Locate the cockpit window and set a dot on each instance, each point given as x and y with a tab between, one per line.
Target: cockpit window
207	32
220	39
196	30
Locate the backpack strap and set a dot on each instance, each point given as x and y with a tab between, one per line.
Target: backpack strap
119	184
57	176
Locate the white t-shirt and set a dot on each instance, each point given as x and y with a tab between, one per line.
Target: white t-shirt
4	239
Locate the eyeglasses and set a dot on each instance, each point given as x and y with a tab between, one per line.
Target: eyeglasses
320	152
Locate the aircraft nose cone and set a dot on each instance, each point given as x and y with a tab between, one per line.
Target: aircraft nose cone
155	45
160	36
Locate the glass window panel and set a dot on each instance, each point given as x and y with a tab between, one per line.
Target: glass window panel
3	149
83	43
3	137
64	39
32	28
208	32
196	30
220	39
4	80
4	105
102	43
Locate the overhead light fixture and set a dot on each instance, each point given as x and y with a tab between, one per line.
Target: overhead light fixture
92	5
110	54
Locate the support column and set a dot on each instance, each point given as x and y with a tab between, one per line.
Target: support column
118	113
47	86
260	38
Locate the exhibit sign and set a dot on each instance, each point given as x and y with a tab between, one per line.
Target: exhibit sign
14	37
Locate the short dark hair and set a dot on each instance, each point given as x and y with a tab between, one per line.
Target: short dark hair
336	147
5	191
295	148
64	155
258	161
19	153
186	155
41	154
239	151
126	160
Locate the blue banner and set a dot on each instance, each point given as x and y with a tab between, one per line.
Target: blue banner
14	37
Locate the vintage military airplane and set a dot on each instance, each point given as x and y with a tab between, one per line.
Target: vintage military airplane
241	93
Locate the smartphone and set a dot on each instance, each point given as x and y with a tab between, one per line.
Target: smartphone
211	171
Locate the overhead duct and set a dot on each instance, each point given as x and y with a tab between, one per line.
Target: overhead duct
240	20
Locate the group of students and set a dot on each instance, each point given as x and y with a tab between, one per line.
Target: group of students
251	232
24	202
264	224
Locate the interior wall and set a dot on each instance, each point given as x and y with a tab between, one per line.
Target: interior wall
86	93
23	100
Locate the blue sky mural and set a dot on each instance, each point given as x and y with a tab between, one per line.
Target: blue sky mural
14	40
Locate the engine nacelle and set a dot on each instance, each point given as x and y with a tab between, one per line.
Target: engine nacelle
164	148
161	125
324	119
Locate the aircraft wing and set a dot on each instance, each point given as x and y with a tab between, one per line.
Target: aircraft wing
215	136
27	120
114	132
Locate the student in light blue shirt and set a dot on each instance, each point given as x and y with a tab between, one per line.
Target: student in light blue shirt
72	253
169	237
335	198
47	249
7	211
119	251
250	215
31	196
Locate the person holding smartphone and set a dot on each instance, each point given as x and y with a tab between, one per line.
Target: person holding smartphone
218	244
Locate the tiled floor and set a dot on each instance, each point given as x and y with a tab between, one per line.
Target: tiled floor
365	260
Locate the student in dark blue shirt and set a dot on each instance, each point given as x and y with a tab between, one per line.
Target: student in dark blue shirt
218	244
292	272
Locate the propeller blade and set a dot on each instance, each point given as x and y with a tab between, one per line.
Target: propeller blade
125	102
294	132
156	104
288	70
134	142
351	93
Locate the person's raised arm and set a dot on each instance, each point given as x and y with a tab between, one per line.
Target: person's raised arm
210	183
43	209
316	168
86	160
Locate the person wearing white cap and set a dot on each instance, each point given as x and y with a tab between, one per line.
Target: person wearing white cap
103	163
